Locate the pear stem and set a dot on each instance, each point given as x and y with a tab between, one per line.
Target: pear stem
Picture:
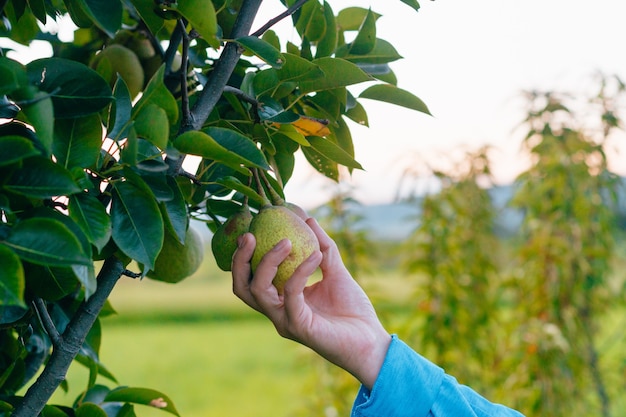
260	189
277	200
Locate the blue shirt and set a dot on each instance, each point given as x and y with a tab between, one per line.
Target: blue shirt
409	385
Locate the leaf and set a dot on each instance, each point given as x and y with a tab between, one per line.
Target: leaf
321	163
137	225
90	410
412	3
40	114
77	141
50	282
394	95
202	144
337	73
157	93
145	8
12	75
311	23
91	216
39	177
366	37
106	14
119	116
328	43
176	215
76	90
152	124
58	246
234	184
201	15
15	148
311	126
12	280
143	396
351	18
333	152
297	68
263	50
272	111
382	53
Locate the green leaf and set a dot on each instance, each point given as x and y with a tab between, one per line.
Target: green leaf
366	37
77	141
263	50
201	15
12	281
39	177
143	396
90	410
12	75
176	215
333	152
351	18
15	148
272	111
38	109
152	124
412	3
382	53
321	163
76	90
145	8
328	43
45	241
106	14
119	116
234	184
157	93
229	147
337	73
91	216
137	225
311	23
297	68
394	95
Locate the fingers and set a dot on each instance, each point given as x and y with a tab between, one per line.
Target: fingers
241	269
332	258
293	292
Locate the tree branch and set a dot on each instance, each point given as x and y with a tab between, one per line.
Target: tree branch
46	321
280	17
70	342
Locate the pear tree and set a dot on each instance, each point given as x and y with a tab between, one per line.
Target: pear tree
154	113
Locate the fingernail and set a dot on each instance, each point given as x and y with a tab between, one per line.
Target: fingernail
240	241
280	245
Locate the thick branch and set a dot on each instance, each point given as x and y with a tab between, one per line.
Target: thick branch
70	342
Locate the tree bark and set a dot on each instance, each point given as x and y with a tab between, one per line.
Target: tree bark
70	343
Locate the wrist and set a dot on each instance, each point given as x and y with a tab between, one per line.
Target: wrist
371	359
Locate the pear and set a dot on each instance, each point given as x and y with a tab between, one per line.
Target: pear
224	240
273	224
178	261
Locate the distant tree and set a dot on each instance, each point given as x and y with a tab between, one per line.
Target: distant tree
568	200
155	112
453	257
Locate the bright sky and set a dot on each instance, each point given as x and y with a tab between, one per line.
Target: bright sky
469	60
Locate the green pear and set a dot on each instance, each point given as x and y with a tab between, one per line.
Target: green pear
177	261
273	224
224	240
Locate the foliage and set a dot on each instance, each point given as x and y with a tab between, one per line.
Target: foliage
454	253
103	169
568	197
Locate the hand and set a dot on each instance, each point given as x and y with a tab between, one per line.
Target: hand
333	316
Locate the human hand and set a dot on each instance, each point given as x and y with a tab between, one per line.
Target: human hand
333	316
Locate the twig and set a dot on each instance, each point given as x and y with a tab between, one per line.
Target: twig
183	76
244	97
46	321
131	274
280	17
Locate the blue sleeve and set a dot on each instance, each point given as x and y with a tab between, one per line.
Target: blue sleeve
409	385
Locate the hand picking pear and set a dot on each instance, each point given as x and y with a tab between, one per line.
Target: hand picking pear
273	224
224	240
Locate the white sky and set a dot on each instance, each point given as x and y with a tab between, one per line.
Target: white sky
469	60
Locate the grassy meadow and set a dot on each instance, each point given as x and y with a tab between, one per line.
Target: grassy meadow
213	356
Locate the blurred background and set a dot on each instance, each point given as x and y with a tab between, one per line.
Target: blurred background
490	236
